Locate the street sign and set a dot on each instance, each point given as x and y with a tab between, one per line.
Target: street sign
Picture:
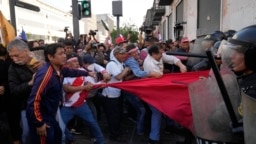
27	6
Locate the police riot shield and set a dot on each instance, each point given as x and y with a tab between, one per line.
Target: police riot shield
249	118
196	48
210	116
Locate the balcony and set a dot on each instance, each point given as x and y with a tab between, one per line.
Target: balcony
149	17
154	23
165	2
158	11
154	15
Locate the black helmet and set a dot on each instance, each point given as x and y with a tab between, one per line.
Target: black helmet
209	40
212	37
219	34
245	42
229	33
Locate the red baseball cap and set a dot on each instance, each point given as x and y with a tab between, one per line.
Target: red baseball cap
120	40
184	39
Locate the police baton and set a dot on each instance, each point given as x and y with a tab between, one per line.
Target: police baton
189	55
223	90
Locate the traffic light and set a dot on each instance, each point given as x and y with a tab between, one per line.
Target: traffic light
86	8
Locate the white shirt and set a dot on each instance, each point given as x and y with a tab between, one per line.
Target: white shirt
96	68
169	59
150	64
114	68
75	96
166	58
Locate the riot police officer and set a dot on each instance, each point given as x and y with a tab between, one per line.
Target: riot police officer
243	59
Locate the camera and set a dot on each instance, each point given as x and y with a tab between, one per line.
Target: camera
66	29
93	32
146	29
95	45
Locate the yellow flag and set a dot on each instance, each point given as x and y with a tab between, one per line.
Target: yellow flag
7	31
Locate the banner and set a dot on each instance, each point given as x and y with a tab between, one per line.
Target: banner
6	29
168	94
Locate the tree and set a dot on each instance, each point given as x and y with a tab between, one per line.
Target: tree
125	29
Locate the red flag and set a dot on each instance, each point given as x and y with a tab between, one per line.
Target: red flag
168	94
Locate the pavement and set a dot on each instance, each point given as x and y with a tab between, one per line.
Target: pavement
128	127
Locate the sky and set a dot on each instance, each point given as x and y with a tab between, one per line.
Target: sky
133	10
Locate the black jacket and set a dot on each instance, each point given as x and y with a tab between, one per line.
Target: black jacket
4	99
248	85
18	78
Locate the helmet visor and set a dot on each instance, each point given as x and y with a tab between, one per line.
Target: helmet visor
207	43
229	51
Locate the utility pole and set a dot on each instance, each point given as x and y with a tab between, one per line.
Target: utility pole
117	11
168	27
75	19
118	25
12	14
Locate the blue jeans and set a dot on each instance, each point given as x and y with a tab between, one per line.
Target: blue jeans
156	119
85	113
62	125
25	128
140	109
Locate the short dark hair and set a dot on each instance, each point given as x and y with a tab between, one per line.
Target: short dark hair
68	42
31	43
154	49
87	59
130	46
40	40
71	55
51	50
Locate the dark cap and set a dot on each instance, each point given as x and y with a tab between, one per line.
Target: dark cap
88	59
60	40
212	37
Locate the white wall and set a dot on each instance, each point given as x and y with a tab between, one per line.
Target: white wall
190	16
238	14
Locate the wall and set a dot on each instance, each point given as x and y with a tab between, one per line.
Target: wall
238	14
191	18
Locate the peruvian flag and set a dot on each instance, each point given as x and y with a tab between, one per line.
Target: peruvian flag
168	94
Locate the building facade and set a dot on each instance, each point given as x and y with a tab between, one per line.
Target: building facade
197	18
109	20
48	23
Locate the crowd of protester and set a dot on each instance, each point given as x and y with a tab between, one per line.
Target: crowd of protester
47	99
